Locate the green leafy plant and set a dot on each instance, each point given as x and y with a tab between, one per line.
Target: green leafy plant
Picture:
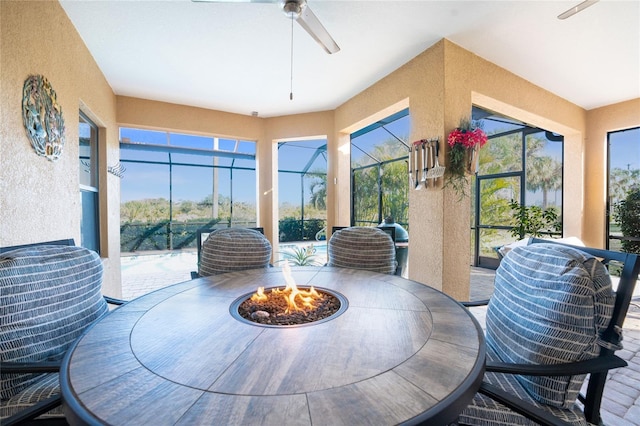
457	179
627	214
290	229
294	229
302	256
533	220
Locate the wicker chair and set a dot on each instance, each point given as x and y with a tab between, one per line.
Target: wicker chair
233	249
49	294
553	319
366	248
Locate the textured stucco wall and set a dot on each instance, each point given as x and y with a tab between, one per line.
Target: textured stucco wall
143	113
39	199
469	80
600	121
441	84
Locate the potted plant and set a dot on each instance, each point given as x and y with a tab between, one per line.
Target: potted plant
302	256
531	221
464	142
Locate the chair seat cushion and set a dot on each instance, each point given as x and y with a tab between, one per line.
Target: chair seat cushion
486	412
46	386
234	249
549	306
366	248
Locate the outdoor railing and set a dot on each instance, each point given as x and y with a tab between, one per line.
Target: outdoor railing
172	235
167	235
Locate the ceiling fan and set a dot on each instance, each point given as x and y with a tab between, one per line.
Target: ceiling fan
580	7
300	11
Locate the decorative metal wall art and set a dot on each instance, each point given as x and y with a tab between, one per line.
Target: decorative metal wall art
42	117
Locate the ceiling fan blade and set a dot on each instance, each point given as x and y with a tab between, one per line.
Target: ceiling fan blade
312	25
582	6
305	17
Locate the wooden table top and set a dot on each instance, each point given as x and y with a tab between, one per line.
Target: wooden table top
401	352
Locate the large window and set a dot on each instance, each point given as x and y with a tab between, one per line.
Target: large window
176	183
520	163
89	190
302	189
379	170
624	177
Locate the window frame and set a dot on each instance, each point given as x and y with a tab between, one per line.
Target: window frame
379	165
90	235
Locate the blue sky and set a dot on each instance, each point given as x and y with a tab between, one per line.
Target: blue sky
294	156
625	149
152	181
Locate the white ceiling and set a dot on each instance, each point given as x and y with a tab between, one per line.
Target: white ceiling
235	57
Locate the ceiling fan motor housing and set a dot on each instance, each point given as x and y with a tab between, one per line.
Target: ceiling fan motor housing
293	8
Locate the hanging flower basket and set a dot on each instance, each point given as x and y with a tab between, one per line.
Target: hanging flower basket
465	142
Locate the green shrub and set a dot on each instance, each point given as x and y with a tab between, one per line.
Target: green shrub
532	221
292	229
627	214
138	236
311	228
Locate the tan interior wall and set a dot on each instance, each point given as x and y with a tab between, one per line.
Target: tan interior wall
473	80
40	199
419	85
143	113
600	121
441	84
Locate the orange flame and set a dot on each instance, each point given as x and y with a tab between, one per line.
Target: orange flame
259	296
291	293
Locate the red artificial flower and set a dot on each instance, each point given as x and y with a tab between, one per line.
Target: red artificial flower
467	138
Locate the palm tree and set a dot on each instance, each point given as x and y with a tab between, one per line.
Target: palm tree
394	186
395	191
545	174
365	209
318	190
620	181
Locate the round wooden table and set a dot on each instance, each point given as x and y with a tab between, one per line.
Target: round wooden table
401	353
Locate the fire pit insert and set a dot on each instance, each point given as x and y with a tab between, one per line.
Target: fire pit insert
275	311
